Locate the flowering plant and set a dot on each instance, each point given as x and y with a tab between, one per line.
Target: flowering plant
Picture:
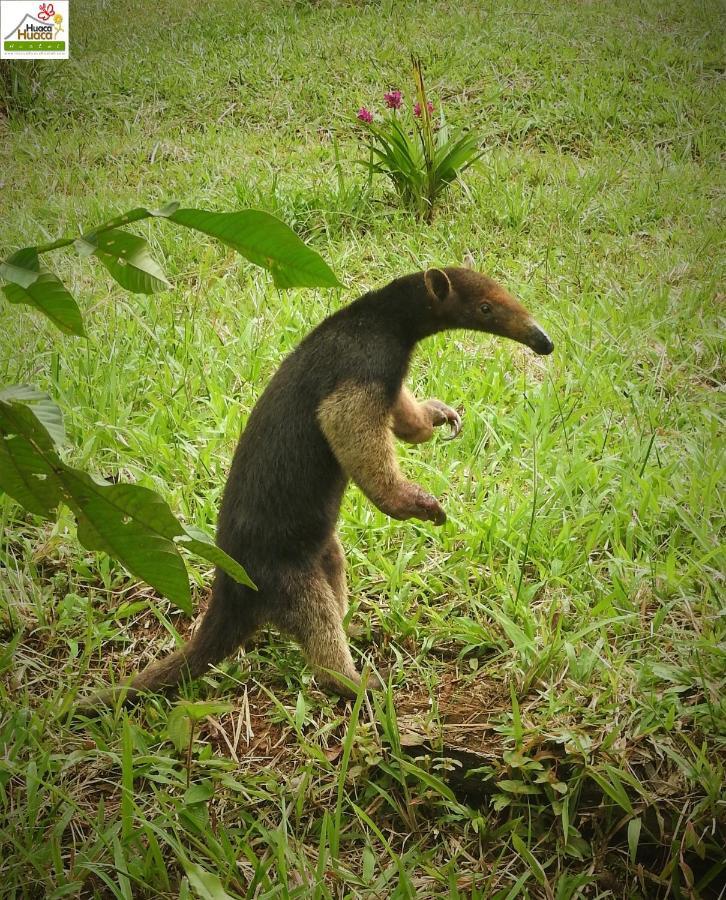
420	158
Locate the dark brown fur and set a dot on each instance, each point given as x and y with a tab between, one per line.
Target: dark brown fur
328	416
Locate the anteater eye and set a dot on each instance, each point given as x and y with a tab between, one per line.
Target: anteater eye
485	309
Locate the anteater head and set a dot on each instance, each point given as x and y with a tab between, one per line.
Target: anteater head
462	298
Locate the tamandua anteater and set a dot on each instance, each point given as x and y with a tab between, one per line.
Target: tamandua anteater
329	416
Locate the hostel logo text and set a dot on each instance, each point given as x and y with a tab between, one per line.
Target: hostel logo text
34	30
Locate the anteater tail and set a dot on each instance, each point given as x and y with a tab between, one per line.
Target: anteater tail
227	624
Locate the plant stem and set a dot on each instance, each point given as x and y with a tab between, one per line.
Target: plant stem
135	215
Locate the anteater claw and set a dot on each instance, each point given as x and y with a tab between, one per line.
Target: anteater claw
454	423
445	415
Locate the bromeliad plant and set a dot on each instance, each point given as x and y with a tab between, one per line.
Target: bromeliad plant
421	158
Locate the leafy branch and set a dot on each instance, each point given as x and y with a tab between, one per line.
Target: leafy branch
259	236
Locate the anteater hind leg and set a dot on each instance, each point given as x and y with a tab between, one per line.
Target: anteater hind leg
310	613
333	563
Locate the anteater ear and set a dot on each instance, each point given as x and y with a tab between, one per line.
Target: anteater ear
437	283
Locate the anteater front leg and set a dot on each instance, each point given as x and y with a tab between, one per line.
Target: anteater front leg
357	422
414	422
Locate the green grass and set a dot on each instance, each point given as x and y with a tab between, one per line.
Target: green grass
566	625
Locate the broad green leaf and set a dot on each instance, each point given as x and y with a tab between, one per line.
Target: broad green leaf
206	885
133	525
501	801
127	257
200	543
517	787
179	728
199	793
264	240
200	709
369	865
43	408
45	292
27	460
179	723
22	268
49	296
128	522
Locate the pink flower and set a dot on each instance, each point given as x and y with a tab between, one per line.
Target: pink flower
393	99
365	115
417	108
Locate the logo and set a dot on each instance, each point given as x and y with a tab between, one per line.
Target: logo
34	30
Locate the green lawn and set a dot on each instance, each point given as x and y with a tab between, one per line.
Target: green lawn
564	632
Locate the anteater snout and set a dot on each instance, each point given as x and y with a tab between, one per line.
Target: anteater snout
540	341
